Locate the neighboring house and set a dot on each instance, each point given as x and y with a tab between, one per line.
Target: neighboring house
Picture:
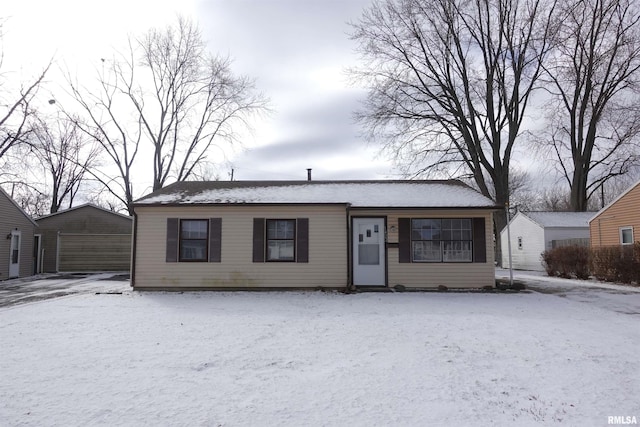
313	234
17	234
86	238
618	223
535	232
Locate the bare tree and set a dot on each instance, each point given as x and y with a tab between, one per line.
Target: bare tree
117	134
28	195
195	100
66	154
15	108
449	82
169	95
523	195
594	77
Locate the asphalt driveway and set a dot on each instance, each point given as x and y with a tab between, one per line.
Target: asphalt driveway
614	297
48	286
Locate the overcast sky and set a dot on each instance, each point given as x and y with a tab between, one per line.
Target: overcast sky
297	50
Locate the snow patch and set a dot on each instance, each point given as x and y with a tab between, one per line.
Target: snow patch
375	194
313	358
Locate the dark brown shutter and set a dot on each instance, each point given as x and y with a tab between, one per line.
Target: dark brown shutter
302	239
258	239
479	240
215	239
404	240
173	225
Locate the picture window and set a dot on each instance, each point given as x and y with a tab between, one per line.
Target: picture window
442	240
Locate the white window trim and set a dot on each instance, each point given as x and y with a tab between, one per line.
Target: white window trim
621	229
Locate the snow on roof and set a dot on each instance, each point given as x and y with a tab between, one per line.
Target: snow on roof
440	194
561	219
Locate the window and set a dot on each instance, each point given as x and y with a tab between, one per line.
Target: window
441	240
626	235
193	239
280	240
281	235
425	240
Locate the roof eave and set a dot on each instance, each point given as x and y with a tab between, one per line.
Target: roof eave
620	196
208	204
195	204
492	208
84	205
22	211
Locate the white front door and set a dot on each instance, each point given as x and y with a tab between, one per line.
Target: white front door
369	264
14	254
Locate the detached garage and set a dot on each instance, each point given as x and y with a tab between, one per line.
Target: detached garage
86	238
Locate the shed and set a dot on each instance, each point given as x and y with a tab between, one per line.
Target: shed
313	234
19	247
618	223
535	232
86	238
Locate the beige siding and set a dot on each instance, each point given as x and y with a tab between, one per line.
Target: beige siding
430	275
85	220
625	212
327	266
12	218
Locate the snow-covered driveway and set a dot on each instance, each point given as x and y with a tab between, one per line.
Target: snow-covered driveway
619	298
48	286
317	359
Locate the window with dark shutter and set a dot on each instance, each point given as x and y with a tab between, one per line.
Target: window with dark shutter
173	225
215	239
281	240
404	240
258	239
302	240
479	240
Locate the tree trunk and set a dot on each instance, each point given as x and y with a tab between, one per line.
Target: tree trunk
579	189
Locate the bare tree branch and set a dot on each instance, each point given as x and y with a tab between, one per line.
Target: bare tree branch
450	81
66	154
594	78
169	94
15	108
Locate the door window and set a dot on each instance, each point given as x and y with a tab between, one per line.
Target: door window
368	244
15	248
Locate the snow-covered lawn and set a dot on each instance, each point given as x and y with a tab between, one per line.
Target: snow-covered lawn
315	359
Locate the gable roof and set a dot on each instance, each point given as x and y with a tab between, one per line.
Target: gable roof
624	193
432	194
86	205
13	202
560	219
